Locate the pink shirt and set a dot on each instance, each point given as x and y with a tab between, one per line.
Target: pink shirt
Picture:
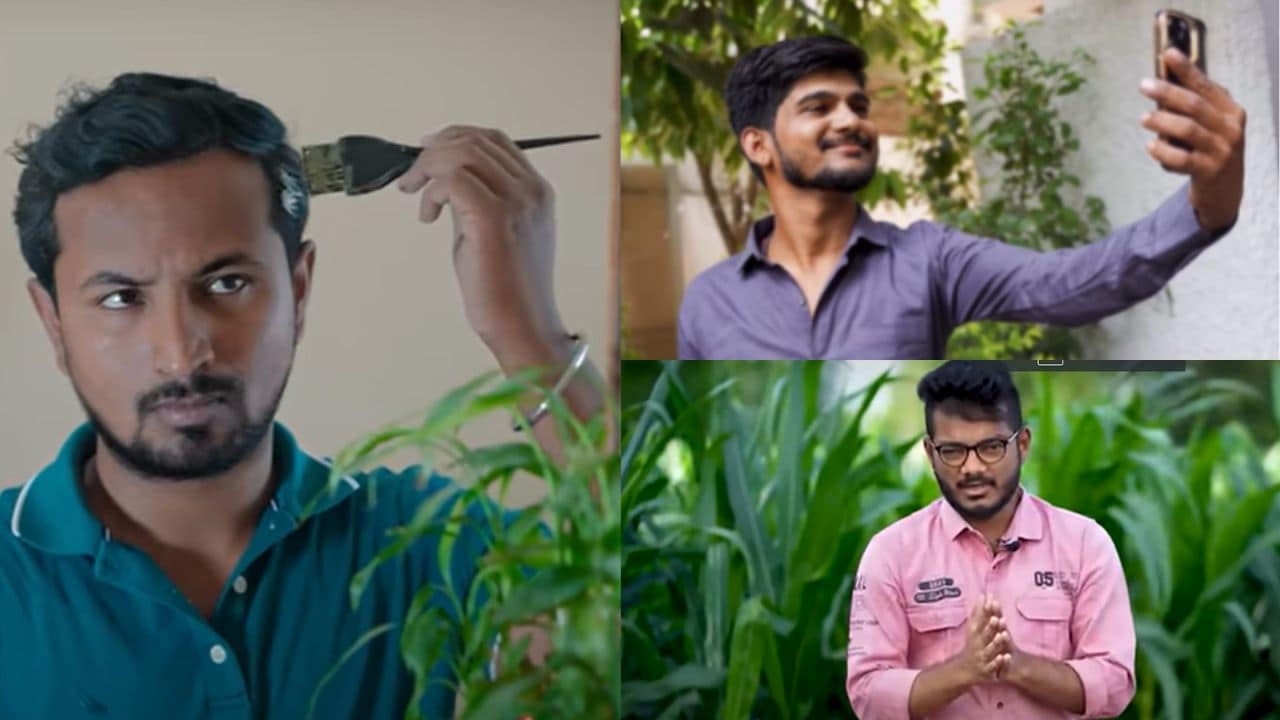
1062	592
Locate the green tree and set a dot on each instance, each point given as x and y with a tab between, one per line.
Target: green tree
1032	202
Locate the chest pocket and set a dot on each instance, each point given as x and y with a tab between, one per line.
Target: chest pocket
936	632
1046	625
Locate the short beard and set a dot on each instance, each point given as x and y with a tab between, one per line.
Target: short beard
200	459
826	179
985	513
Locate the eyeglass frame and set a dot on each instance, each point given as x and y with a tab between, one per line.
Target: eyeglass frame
1004	449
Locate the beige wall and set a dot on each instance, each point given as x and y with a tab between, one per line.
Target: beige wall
385	333
647	280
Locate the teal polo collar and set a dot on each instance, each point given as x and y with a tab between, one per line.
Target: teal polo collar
50	513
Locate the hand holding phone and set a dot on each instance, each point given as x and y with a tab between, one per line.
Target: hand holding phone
1200	127
1185	33
1174	29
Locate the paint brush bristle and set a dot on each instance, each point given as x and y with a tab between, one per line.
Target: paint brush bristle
357	164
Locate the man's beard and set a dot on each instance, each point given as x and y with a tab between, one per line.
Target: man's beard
841	181
981	513
200	455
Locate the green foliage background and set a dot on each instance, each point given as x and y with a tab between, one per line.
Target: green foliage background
750	490
554	566
1034	199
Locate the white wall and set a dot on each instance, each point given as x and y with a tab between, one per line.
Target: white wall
1226	304
385	333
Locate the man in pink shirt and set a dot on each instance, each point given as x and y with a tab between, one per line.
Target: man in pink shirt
989	602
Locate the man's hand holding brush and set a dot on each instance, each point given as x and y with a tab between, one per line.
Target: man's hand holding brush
503	253
503	233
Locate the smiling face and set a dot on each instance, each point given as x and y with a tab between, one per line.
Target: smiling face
978	490
822	137
177	313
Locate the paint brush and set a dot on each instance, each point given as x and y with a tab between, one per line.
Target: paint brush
358	164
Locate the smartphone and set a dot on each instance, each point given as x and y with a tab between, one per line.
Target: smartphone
1187	34
1182	31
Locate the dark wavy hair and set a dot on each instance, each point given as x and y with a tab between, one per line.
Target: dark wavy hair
141	120
761	79
973	390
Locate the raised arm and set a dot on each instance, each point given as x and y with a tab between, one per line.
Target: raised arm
503	254
982	279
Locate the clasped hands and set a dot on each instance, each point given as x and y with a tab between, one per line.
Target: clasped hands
989	652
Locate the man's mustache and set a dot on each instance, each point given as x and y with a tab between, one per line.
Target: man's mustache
857	138
196	386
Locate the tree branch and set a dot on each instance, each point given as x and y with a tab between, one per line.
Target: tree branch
748	204
734	205
713	197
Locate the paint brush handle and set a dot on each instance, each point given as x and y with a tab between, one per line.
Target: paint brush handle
526	144
558	140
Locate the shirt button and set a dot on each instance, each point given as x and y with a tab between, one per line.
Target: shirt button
217	654
240	585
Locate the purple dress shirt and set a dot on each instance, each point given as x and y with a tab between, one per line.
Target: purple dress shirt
898	293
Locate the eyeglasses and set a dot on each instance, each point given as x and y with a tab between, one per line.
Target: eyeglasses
989	451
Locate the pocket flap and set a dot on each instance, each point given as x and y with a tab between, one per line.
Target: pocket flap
1045	608
929	619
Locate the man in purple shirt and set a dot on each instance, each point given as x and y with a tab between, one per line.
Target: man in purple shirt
821	279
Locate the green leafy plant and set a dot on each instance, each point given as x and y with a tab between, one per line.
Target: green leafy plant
747	500
555	566
1198	528
942	173
1034	203
676	56
745	505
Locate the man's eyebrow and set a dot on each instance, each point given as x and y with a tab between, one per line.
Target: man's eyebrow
113	277
235	258
856	95
995	438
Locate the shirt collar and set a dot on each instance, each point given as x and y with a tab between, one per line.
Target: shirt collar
1025	525
1028	521
50	513
864	228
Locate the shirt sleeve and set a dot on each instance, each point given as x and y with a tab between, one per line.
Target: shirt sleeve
982	279
878	681
1103	628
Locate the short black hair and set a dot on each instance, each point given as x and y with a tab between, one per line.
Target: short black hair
973	390
761	79
141	120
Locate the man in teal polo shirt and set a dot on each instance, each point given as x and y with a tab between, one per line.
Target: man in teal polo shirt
182	557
